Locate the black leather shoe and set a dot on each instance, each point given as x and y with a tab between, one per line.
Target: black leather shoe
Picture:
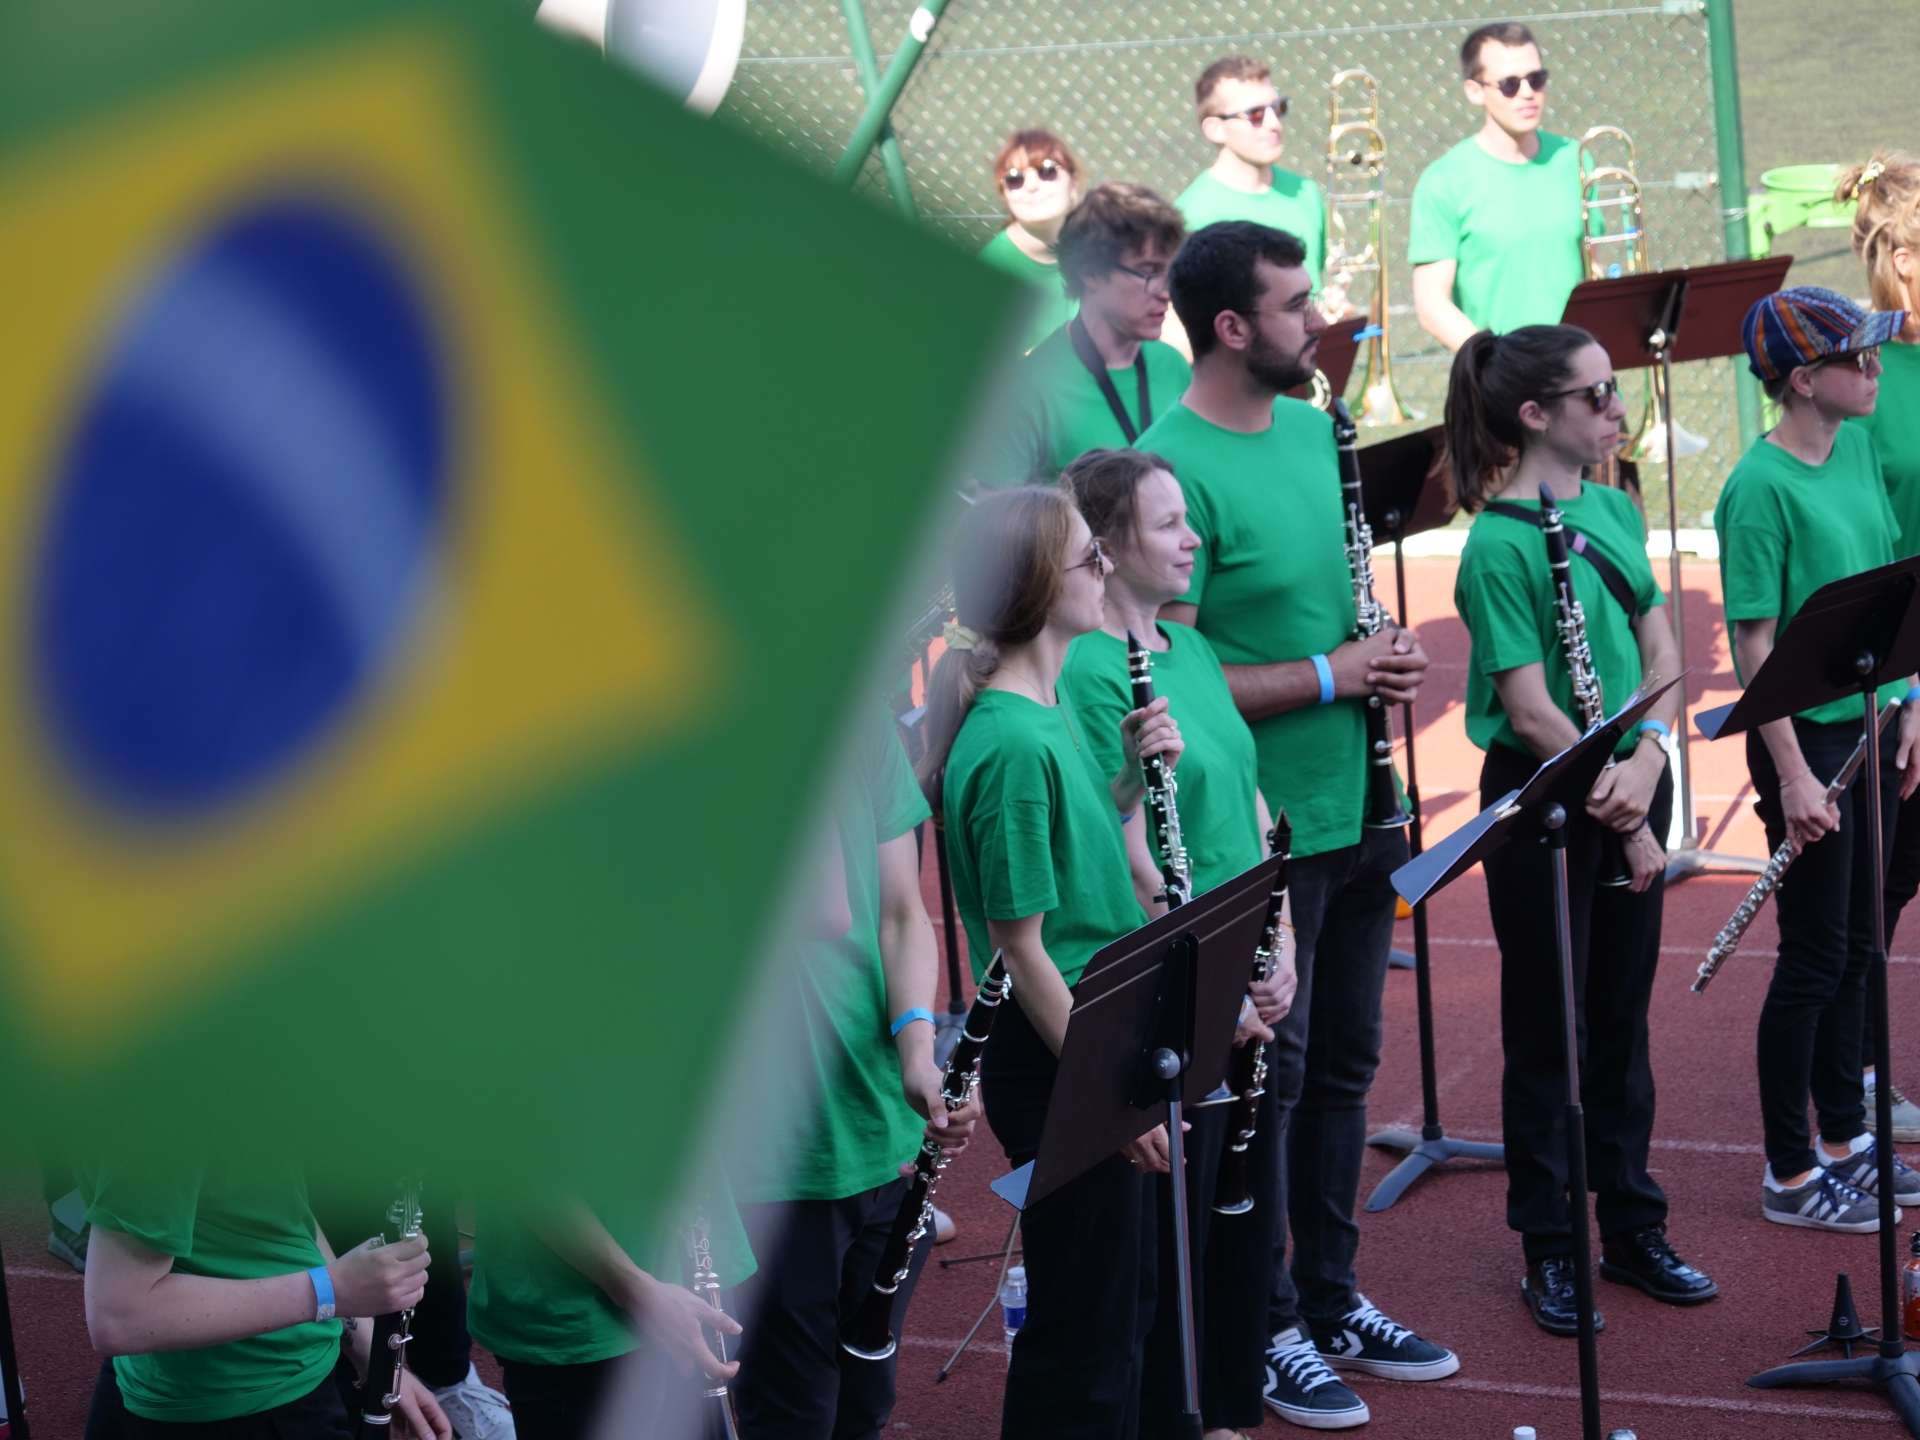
1646	1260
1548	1291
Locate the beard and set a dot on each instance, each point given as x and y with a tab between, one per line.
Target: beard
1277	370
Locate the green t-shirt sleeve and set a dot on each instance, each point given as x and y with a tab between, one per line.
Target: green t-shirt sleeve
1433	231
1200	519
1753	551
1101	702
1010	829
1500	613
898	802
1015	449
157	1206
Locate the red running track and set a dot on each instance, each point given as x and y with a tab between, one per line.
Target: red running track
1442	1259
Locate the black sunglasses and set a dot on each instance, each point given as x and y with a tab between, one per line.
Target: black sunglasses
1047	171
1095	561
1599	394
1257	114
1509	85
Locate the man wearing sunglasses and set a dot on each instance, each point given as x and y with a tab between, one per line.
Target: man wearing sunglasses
1807	505
1272	591
1099	380
1495	235
1244	117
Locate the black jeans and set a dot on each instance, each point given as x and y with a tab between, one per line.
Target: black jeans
818	1262
1815	1011
320	1414
557	1402
1616	950
1903	863
1090	1255
1321	1066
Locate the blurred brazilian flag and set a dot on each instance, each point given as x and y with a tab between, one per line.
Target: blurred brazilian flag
447	493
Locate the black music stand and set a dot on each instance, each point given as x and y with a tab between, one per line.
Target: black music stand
1150	1033
10	1391
1334	359
1659	319
1539	808
1848	639
1405	494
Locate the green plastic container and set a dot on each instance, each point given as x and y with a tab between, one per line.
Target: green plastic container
1792	196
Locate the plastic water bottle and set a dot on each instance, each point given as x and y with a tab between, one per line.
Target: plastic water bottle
1013	1304
1523	1432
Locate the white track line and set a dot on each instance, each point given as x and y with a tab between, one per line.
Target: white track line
1476	942
42	1272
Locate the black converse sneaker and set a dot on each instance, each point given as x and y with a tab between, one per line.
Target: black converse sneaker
1365	1340
1823	1202
1303	1391
1861	1170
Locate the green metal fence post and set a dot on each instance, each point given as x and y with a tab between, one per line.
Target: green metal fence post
880	104
868	69
1732	151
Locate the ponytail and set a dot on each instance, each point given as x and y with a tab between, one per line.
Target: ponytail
1885	193
1493	376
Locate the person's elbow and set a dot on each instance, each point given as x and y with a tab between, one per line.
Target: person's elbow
110	1324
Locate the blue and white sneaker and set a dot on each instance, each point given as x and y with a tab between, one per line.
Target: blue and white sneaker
1303	1391
1365	1340
1823	1202
1861	1170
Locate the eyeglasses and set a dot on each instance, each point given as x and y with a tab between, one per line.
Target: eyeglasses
1599	395
1867	362
1256	115
1152	279
1096	559
1047	171
1509	85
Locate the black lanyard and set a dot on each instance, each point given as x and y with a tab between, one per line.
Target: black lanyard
1096	364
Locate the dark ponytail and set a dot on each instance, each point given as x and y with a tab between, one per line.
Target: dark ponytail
1493	376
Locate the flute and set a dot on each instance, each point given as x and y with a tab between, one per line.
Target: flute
706	1284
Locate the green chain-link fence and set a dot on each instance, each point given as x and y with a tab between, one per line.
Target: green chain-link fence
1115	78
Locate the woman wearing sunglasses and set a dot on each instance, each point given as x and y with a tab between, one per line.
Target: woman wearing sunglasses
1044	873
1037	179
1526	412
1495	236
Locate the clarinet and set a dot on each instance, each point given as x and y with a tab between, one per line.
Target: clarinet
1176	874
1383	795
1570	619
387	1357
1728	940
1233	1194
719	1417
869	1334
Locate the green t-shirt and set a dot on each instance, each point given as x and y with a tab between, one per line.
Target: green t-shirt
1215	781
861	1129
1895	428
1057	411
1054	308
1504	593
1786	528
223	1225
527	1304
1293	203
1270	581
1031	830
1513	231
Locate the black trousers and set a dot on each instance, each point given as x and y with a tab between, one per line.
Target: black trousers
320	1414
1903	863
1616	950
1229	1303
557	1402
1089	1249
819	1258
1814	1015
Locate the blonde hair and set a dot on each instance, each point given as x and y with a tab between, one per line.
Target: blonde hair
1886	193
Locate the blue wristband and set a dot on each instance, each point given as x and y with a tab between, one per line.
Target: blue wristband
322	1292
1656	727
1912	695
1325	672
919	1012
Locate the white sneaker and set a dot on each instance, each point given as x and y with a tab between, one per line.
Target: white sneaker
476	1410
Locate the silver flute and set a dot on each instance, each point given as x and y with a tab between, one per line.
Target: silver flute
1728	940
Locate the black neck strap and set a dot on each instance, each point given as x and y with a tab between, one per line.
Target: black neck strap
1096	364
1618	586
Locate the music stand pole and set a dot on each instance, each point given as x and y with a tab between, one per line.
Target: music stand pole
10	1392
1432	1146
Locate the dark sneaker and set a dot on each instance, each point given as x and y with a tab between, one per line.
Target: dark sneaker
1646	1260
1303	1391
1823	1202
1365	1340
1548	1291
1861	1170
1906	1115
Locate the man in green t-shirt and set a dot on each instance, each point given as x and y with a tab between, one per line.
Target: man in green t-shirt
1804	507
1100	379
1243	116
1272	593
1495	236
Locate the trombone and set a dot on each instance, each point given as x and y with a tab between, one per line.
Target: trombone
1357	233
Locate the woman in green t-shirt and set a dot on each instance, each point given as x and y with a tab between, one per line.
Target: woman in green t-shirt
1526	413
1037	179
1132	501
1043	872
